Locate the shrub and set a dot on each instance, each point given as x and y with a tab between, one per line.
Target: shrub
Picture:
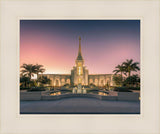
133	80
92	85
118	80
66	85
21	88
122	89
111	87
86	86
93	90
36	89
134	88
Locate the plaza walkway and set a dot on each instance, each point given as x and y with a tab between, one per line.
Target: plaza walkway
79	106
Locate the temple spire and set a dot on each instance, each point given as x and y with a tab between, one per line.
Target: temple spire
79	51
79	57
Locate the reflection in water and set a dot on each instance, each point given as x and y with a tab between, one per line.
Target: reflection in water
56	93
59	93
101	93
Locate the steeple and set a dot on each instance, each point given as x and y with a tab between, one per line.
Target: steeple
79	57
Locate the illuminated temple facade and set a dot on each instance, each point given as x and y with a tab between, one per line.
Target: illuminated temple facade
79	75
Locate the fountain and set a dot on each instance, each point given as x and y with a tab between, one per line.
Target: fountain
84	91
79	90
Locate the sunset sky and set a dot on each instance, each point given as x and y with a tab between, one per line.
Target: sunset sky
54	43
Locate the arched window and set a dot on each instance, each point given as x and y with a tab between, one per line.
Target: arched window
52	82
62	80
57	83
68	81
96	82
90	81
102	83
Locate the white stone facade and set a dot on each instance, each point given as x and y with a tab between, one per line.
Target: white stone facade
79	75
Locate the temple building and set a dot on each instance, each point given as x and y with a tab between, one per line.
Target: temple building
79	75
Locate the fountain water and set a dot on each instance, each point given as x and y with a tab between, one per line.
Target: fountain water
79	90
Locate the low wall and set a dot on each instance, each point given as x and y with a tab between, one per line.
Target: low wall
79	95
46	97
128	96
113	93
30	95
109	98
122	96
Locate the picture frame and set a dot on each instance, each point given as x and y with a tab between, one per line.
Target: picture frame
147	11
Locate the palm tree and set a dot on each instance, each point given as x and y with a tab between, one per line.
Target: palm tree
24	80
39	69
130	66
132	80
119	69
118	80
44	80
28	70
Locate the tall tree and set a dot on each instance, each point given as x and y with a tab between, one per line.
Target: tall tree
39	69
44	80
118	80
133	80
24	80
119	69
130	66
28	70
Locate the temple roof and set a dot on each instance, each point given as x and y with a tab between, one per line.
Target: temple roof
79	57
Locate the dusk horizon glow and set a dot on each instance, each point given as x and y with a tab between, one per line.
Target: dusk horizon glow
54	44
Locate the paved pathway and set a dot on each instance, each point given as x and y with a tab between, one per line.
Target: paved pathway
79	106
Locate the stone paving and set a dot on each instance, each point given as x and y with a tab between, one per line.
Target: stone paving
79	106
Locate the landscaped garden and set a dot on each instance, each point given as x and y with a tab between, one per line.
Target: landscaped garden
124	77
